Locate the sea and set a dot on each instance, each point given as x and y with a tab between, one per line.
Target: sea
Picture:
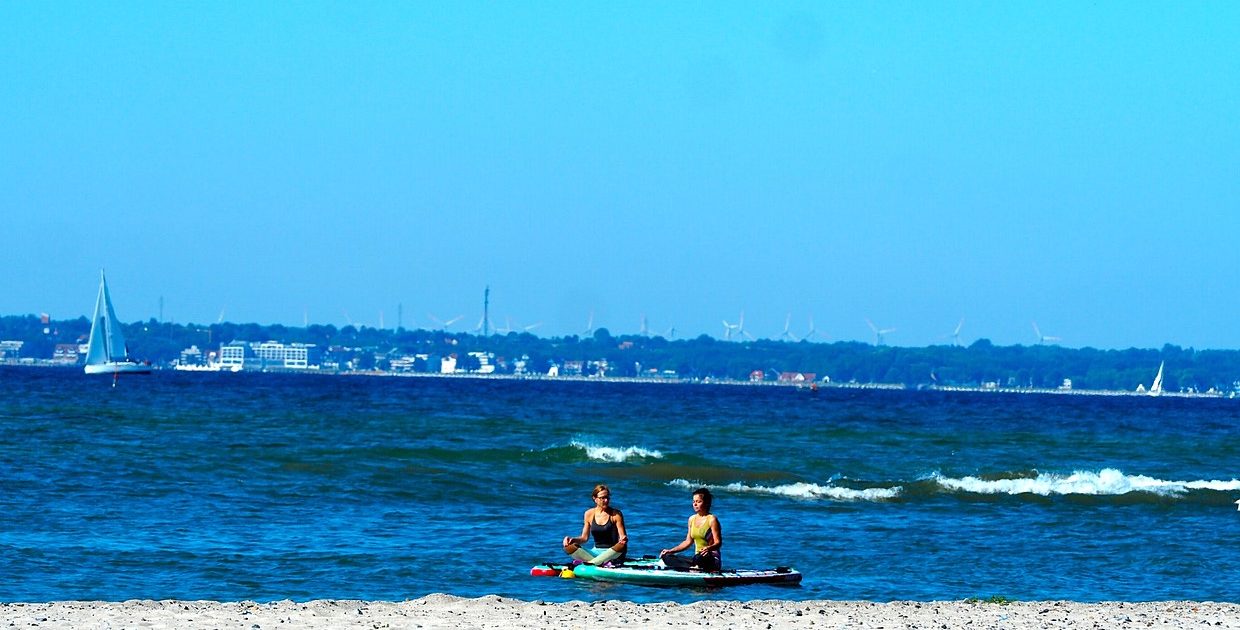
252	486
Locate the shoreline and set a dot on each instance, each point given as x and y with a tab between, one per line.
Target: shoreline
449	611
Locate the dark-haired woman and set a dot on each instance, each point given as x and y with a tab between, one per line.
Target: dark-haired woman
604	524
705	536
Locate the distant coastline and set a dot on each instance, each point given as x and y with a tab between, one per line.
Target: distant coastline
807	387
978	367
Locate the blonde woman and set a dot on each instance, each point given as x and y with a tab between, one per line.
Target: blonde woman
605	525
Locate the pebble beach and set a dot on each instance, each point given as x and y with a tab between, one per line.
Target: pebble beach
448	611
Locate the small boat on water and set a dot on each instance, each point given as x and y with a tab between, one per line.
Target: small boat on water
107	353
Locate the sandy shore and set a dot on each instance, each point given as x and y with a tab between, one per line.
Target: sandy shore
446	611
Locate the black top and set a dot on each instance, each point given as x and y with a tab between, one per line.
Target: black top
604	535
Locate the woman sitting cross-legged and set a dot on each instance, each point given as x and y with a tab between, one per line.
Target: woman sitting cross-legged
605	525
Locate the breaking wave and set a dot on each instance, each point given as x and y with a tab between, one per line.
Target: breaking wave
1105	482
801	490
612	454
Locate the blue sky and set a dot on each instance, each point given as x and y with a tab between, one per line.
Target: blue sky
1074	164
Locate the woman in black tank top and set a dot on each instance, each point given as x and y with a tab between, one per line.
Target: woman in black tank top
605	525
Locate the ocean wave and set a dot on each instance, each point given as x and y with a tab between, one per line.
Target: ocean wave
801	490
1108	481
612	454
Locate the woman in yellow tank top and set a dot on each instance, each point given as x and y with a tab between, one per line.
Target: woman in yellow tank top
705	535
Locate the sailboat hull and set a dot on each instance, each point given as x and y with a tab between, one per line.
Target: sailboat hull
118	368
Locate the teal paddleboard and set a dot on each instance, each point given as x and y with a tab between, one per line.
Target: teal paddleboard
651	572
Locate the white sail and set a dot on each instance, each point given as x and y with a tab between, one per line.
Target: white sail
106	352
1156	388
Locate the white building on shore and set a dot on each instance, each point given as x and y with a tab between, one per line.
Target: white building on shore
240	355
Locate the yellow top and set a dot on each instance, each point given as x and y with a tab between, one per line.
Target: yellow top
700	533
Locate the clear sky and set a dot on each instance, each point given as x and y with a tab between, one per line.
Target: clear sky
1076	164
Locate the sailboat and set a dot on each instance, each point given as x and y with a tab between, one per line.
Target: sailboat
1156	387
107	353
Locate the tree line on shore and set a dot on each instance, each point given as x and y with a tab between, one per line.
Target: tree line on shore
979	364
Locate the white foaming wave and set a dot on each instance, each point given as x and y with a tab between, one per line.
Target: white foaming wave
612	454
1108	481
802	490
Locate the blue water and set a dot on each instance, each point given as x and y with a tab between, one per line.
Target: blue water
261	486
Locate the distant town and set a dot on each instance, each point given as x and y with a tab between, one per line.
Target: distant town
226	347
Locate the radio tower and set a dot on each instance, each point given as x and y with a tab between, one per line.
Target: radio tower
486	312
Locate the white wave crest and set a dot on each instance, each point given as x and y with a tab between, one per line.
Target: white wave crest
612	454
1107	481
802	490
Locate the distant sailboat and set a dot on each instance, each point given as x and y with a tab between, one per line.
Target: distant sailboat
107	353
1156	388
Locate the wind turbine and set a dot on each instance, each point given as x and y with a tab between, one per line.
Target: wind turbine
443	325
811	332
507	327
738	329
645	329
956	333
670	333
1042	339
786	334
531	327
878	332
589	331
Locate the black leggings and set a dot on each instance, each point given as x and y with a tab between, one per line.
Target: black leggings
709	561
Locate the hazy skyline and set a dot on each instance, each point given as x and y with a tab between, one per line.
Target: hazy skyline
912	164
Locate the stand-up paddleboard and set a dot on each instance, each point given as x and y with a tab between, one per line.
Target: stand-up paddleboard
652	572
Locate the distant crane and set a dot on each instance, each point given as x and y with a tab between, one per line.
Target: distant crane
879	333
1043	339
